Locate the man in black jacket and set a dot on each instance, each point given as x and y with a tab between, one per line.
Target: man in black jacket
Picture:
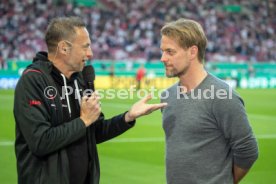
56	134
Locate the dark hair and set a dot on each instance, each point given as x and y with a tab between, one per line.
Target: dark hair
61	28
187	33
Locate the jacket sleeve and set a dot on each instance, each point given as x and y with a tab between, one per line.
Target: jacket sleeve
108	129
34	121
231	117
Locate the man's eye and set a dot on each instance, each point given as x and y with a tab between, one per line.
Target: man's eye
170	52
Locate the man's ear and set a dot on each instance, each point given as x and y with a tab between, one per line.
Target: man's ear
63	47
194	52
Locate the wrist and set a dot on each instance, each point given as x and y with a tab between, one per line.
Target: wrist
85	121
129	117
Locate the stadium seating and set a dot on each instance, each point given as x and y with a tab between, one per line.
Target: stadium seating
129	30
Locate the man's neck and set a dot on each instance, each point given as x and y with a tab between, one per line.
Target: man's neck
59	65
194	76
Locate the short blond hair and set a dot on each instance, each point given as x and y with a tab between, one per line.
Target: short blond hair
187	33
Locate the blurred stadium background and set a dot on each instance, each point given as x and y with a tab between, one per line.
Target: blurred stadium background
125	35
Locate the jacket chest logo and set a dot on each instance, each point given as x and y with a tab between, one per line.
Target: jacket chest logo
34	102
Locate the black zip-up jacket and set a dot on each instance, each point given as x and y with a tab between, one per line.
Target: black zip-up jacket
42	135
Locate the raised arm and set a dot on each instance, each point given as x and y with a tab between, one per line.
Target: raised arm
115	126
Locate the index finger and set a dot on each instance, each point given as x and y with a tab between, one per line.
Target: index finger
158	106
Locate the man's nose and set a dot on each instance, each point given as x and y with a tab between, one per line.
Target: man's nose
89	54
164	59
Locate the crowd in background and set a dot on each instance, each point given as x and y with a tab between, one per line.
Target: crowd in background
130	30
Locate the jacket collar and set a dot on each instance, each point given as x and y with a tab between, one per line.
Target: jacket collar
42	63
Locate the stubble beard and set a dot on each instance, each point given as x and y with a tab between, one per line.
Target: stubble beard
175	73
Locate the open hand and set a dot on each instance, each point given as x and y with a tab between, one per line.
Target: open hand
141	108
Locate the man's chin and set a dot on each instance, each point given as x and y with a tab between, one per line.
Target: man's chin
81	67
170	75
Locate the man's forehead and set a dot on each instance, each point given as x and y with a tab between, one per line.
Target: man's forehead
81	31
82	35
167	42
